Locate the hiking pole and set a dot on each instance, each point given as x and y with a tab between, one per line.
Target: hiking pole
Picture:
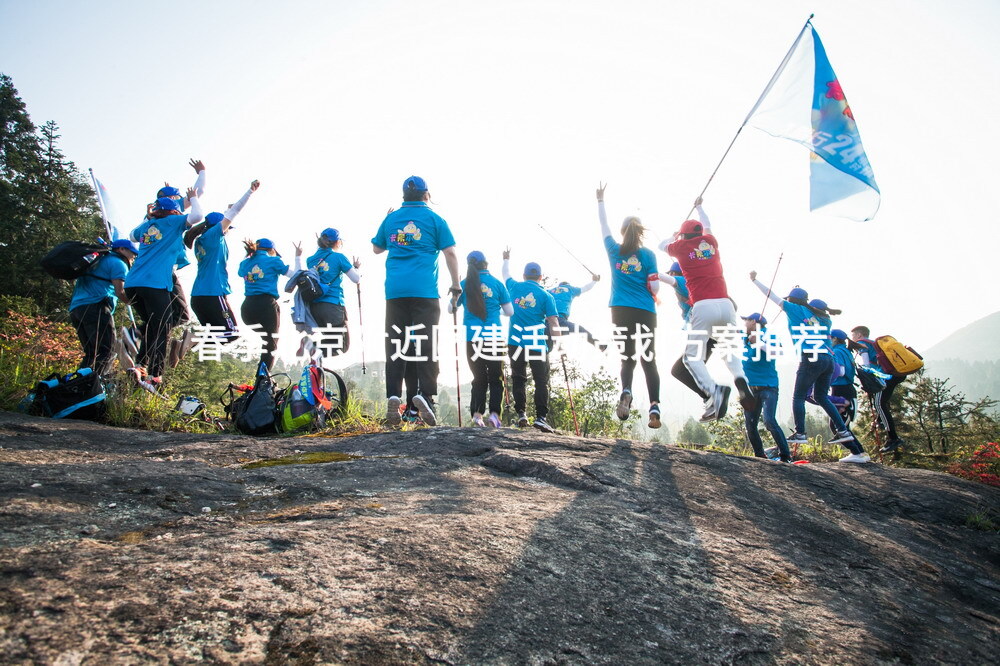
458	381
567	249
569	392
767	296
361	327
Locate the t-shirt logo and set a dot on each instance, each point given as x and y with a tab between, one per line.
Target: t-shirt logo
151	235
199	250
322	267
407	235
703	251
559	290
487	292
630	265
526	302
254	274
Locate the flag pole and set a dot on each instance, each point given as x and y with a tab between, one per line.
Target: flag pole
767	89
100	202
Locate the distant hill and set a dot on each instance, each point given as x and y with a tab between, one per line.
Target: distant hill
976	342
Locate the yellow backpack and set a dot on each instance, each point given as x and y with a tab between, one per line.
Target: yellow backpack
897	358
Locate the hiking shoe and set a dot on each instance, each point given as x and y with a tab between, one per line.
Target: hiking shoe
771	452
797	438
747	399
392	411
709	414
856	458
477	421
624	405
891	446
542	425
718	404
841	436
522	420
494	420
424	409
654	416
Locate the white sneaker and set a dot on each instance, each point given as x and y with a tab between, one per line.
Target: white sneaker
856	458
392	417
709	414
842	436
624	405
797	438
477	421
424	409
495	421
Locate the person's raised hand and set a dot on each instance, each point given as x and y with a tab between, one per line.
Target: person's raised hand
298	248
697	202
389	211
192	193
356	263
254	185
753	275
506	253
600	191
595	277
197	165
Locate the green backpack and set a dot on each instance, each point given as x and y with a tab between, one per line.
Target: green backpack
321	394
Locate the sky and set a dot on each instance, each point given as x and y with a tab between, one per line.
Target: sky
514	111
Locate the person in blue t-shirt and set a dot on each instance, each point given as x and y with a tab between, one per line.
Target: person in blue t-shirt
809	325
842	385
329	310
634	285
535	319
413	236
564	294
92	306
484	298
210	292
758	364
260	272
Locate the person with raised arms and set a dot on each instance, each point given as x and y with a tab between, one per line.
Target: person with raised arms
564	293
634	285
484	298
759	366
260	271
675	278
331	265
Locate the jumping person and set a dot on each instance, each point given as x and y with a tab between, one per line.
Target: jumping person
867	355
150	282
535	318
564	294
413	236
210	292
809	324
634	284
260	272
484	298
675	278
329	310
697	252
842	386
758	365
92	305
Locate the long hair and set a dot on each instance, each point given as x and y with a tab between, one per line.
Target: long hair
250	246
159	213
828	312
474	300
632	235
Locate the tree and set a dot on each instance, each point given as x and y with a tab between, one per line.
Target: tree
944	419
694	433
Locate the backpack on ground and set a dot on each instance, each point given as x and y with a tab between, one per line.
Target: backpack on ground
320	395
896	358
72	259
78	395
253	412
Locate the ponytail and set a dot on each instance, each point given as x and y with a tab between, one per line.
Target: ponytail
250	246
474	301
632	235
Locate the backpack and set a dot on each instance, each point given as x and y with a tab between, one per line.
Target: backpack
895	358
319	395
78	395
872	380
310	288
253	412
72	259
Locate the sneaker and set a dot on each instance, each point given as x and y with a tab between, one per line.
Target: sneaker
392	411
494	421
856	458
424	409
709	414
747	399
722	400
841	436
624	405
891	446
797	438
541	424
477	421
522	420
654	417
771	452
411	416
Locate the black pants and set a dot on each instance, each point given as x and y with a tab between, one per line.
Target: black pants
519	380
882	401
571	328
95	326
848	392
155	322
178	304
628	319
263	309
486	374
401	313
331	315
683	375
215	311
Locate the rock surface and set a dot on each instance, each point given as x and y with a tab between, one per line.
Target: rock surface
478	546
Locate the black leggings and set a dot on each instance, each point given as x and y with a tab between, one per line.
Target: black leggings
519	379
215	311
420	375
95	326
628	319
331	316
263	309
155	322
486	374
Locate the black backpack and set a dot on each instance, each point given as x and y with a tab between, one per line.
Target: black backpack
79	395
254	412
72	259
309	287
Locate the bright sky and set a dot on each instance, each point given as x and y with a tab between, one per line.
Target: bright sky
513	111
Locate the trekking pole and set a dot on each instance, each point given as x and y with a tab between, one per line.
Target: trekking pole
569	392
361	327
458	381
767	297
567	249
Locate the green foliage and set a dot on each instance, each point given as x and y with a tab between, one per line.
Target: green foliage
694	433
943	419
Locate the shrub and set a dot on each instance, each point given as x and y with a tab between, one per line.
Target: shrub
983	465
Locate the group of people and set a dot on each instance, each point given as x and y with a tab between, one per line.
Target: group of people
141	271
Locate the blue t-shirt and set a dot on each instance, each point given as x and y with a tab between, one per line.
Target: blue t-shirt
212	253
683	295
842	355
872	352
628	276
564	295
816	337
161	243
413	237
495	294
532	305
90	288
260	273
330	266
760	370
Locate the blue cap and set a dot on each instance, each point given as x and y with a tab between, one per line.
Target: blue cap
799	293
331	234
819	304
214	218
166	203
414	183
265	244
476	256
533	270
675	268
125	243
757	317
168	192
838	333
